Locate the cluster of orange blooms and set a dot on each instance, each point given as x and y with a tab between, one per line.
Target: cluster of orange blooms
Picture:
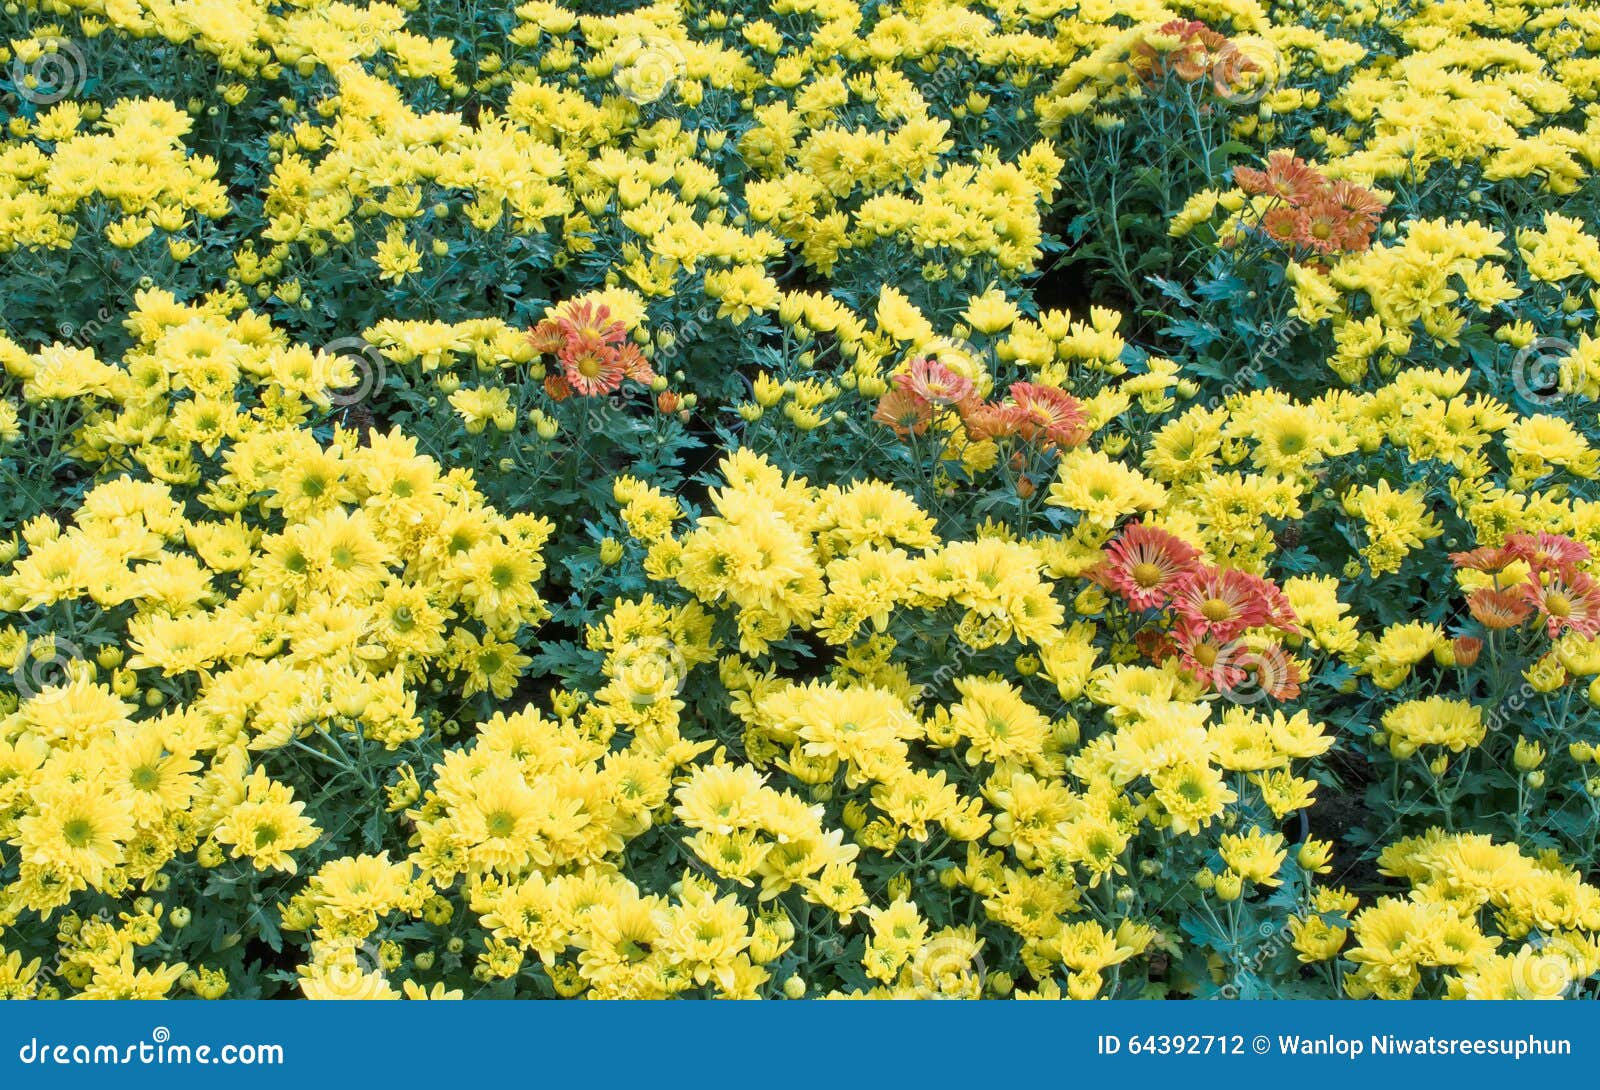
1564	598
1211	609
1031	412
1200	53
592	350
1309	209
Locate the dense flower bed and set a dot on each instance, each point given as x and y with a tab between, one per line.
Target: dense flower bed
1002	498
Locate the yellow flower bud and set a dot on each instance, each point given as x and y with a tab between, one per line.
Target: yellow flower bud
1546	675
1315	856
1090	601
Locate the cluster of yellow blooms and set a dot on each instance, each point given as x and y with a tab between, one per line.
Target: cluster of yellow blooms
1453	879
139	162
353	569
1062	811
820	733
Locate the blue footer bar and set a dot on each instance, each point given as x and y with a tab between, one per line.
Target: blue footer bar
813	1045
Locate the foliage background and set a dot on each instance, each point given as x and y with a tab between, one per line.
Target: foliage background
363	209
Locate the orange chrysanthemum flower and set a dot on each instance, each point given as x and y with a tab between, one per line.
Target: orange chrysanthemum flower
989	420
1546	552
1192	58
1287	177
1146	565
1568	602
1223	602
1499	608
1311	211
592	370
905	412
1048	415
935	383
1485	558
